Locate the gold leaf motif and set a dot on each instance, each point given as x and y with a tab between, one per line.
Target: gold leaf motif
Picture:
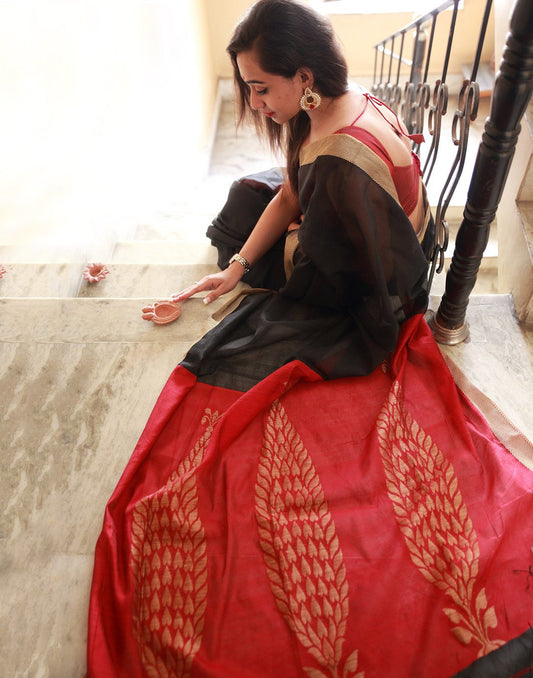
169	564
301	551
434	520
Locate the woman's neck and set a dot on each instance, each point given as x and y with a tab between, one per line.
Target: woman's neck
333	114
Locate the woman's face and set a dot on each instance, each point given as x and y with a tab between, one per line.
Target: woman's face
275	96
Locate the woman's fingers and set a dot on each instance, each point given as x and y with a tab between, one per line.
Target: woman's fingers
220	288
216	284
211	297
198	286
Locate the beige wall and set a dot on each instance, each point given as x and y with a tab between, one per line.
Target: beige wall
359	33
105	106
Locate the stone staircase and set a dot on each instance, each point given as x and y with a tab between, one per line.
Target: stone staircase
80	372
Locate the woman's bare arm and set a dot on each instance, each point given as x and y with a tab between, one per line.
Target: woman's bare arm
278	214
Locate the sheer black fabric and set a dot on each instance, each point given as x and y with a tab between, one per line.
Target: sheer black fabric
359	273
512	660
247	198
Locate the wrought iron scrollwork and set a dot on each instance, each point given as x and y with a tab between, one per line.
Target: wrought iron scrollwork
436	113
466	112
395	98
408	106
423	94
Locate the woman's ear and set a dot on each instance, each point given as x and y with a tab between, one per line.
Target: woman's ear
306	77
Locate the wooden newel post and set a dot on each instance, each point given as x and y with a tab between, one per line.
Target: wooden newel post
512	91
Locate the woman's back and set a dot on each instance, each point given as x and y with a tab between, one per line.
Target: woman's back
367	119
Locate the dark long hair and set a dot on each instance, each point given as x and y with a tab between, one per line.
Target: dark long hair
287	35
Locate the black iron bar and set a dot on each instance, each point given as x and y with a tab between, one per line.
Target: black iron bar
484	23
390	60
382	62
400	58
430	46
415	54
450	41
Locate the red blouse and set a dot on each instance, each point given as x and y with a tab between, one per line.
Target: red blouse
405	177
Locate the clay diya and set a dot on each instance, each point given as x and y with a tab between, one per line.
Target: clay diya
93	273
162	312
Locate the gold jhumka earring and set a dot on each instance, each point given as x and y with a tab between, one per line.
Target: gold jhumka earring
310	100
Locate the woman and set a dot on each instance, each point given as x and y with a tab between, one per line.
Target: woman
354	281
305	499
272	80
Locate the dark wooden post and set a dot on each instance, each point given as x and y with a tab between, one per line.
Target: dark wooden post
512	91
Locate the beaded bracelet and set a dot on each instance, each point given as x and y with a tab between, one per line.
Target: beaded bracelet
242	261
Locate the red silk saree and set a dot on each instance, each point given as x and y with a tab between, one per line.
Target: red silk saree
312	494
367	526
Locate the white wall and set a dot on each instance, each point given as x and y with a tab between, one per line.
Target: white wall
105	113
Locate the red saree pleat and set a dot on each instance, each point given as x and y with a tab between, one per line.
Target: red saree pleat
366	526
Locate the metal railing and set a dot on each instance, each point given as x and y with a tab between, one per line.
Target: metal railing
418	96
411	101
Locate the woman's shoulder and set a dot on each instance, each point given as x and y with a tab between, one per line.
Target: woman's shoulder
349	156
340	145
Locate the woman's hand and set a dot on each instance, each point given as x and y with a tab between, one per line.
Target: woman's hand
216	283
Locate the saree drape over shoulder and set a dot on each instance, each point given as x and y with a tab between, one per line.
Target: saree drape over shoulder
312	494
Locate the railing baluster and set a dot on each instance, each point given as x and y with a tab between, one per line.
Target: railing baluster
396	94
380	90
450	41
415	76
481	40
430	46
388	86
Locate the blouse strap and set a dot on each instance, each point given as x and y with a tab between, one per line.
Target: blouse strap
362	111
378	104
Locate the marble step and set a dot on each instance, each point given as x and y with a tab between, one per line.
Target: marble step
41	279
100	320
158	280
164	252
124	280
497	356
78	378
145	281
